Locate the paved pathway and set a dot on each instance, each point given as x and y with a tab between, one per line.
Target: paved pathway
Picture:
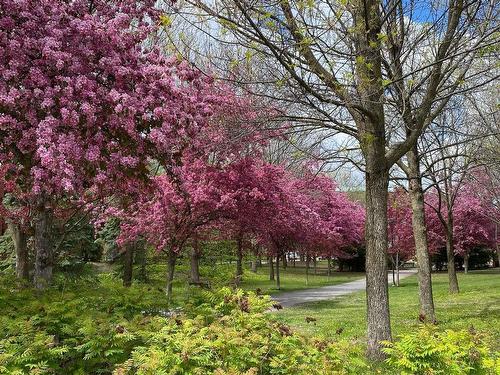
329	292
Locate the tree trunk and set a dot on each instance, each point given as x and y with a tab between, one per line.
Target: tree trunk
285	263
259	261
44	257
128	264
315	263
271	268
308	261
20	240
377	294
397	269
420	237
172	257
141	258
393	271
498	244
254	266
329	266
466	262
195	261
239	258
450	255
278	283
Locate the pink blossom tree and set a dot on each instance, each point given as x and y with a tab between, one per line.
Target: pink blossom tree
85	105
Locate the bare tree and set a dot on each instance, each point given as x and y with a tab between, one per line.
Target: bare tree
451	155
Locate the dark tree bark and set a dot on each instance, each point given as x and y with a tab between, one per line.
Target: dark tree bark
329	272
278	282
420	237
44	257
128	264
285	263
315	265
271	268
377	294
19	237
195	261
172	257
450	256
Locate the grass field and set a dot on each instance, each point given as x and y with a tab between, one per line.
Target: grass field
292	278
477	305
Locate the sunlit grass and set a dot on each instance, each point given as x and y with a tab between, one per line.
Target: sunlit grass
477	305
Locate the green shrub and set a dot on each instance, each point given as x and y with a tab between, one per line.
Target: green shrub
450	352
93	325
234	335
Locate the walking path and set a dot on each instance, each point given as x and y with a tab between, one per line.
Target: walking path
328	292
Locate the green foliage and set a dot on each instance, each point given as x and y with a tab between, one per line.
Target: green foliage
231	334
93	325
81	326
428	351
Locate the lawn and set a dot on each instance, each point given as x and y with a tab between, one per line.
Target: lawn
217	274
477	305
294	278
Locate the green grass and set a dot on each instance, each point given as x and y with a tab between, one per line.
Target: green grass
294	279
477	305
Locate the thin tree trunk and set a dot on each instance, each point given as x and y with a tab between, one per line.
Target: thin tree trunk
259	261
315	263
172	257
308	260
498	244
239	258
142	261
44	257
393	271
377	294
254	266
195	261
278	283
329	266
271	268
450	255
420	237
285	263
19	238
397	269
128	264
466	262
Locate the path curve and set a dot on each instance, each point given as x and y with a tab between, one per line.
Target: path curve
288	299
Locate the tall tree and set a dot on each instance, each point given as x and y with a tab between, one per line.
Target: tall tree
336	65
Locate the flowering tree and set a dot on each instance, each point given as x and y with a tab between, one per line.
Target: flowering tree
84	105
472	224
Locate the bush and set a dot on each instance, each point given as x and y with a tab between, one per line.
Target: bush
232	334
93	325
450	352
